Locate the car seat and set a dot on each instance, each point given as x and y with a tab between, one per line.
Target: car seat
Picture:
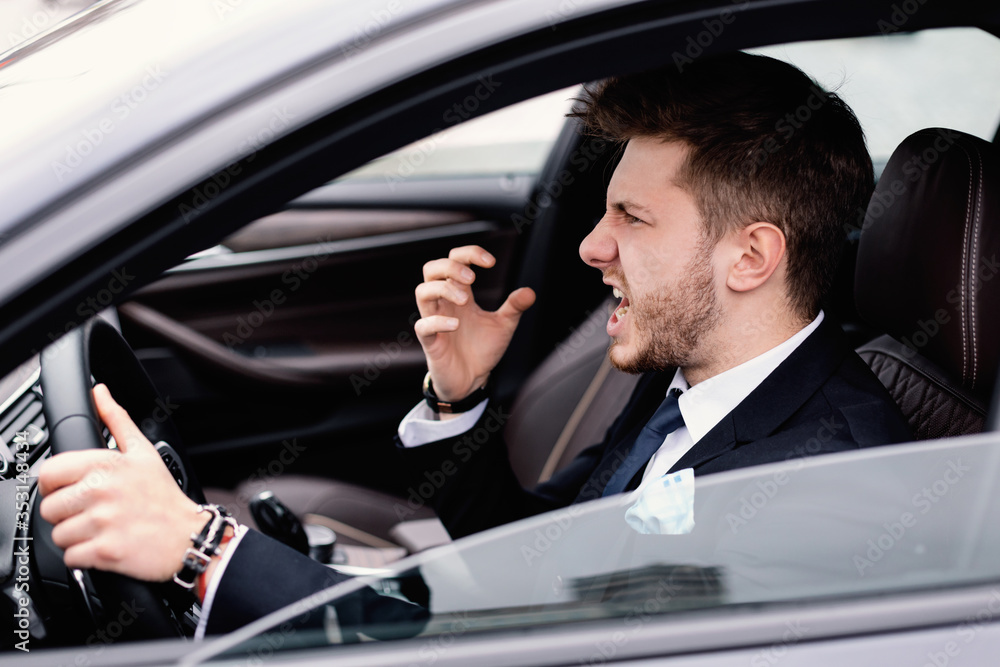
927	276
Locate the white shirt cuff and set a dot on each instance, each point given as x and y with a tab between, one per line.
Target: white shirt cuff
420	427
213	585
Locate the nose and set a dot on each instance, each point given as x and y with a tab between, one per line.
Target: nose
599	249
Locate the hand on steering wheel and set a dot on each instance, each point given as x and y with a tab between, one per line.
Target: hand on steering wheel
118	511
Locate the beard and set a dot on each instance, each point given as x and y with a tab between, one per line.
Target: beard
668	327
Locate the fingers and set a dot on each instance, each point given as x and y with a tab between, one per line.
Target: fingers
448	279
428	327
114	416
517	302
95	554
90	540
456	265
448	269
73	530
472	254
81	556
73	492
428	293
71	467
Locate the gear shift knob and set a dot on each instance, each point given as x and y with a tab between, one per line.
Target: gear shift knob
275	520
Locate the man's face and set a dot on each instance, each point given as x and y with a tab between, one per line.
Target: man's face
651	249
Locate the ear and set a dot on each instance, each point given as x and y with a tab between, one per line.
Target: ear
757	251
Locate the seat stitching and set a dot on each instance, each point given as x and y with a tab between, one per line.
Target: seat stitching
964	270
972	267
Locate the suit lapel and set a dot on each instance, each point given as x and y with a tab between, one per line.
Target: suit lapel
777	398
760	414
646	398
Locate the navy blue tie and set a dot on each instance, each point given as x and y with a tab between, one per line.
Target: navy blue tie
664	421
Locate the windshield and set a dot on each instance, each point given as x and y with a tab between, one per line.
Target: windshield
887	520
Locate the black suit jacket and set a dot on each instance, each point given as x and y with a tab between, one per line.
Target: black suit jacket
822	398
264	576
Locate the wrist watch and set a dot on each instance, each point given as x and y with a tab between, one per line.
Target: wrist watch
452	407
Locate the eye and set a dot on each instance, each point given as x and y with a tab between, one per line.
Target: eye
632	220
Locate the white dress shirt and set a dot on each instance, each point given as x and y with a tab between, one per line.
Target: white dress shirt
702	406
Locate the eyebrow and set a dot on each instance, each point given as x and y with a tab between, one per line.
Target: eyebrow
625	205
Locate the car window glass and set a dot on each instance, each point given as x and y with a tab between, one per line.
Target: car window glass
807	531
897	84
513	140
902	82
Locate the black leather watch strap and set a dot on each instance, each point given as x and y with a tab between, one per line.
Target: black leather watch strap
454	407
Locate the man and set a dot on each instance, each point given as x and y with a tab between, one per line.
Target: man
721	235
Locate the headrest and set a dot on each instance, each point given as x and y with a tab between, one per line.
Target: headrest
929	254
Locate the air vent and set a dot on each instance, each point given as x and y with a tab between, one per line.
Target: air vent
23	416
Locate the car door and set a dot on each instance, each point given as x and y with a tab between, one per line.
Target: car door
297	331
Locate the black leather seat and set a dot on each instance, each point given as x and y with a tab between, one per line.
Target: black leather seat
927	276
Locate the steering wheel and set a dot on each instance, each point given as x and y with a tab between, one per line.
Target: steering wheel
96	351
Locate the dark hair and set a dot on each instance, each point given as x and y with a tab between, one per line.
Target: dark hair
766	144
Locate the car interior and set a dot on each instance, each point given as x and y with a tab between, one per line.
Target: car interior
569	394
285	355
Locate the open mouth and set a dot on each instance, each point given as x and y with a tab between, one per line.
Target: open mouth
616	321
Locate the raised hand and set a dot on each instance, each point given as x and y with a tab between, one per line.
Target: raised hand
461	341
